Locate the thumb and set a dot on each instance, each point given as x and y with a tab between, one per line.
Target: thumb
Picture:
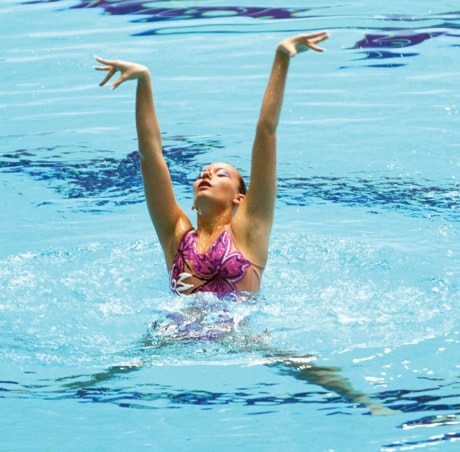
291	48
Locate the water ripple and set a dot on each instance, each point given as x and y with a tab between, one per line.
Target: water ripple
103	183
399	30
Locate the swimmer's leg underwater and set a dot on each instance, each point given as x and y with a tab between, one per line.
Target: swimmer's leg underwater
301	368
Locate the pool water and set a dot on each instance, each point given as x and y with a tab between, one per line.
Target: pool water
362	278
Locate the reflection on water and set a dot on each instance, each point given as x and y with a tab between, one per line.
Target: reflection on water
394	41
429	442
128	7
113	386
134	388
102	183
398	30
406	195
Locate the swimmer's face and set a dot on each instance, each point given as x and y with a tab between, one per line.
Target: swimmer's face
220	181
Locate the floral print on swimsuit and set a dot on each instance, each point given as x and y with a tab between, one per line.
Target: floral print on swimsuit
217	270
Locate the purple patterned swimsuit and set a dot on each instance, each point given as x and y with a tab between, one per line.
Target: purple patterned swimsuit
222	269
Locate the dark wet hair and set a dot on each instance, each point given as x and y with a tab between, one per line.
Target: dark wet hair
242	187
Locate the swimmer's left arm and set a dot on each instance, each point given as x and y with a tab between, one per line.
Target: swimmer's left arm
258	208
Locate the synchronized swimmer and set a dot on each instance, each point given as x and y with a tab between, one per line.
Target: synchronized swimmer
227	252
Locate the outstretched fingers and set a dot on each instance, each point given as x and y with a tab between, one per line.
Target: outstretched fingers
129	71
111	67
312	45
107	67
109	75
312	41
300	43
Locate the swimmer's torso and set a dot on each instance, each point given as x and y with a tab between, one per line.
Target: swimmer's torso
222	269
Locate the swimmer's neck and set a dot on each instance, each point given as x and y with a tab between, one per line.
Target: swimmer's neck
212	225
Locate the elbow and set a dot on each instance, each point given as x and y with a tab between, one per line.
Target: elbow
266	126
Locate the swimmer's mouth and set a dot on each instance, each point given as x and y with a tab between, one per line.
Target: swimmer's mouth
204	184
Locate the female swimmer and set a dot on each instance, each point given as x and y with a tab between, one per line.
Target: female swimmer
228	250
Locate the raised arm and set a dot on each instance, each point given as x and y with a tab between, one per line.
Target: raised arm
166	214
256	213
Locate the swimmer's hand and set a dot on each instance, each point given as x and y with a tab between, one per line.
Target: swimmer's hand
301	43
129	71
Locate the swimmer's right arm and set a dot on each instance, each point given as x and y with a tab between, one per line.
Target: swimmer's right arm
166	214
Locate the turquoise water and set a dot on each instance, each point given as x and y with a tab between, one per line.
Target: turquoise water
363	269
